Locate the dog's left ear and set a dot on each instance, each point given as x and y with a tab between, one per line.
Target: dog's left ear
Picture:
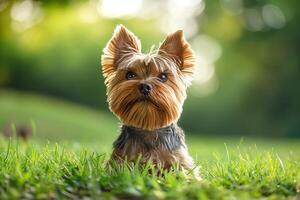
178	49
122	44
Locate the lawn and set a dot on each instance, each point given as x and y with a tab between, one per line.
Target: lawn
66	159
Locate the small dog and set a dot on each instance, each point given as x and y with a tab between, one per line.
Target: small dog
146	92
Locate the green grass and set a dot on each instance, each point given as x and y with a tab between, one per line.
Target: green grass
66	159
36	171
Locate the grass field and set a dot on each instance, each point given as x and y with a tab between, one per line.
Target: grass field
66	159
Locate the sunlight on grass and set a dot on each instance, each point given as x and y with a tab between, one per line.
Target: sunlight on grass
30	170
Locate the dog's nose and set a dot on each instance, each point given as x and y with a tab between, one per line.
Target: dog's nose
145	88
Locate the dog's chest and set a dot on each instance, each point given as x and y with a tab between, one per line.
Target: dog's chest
158	146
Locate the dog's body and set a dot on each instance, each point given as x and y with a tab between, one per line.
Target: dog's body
146	92
165	146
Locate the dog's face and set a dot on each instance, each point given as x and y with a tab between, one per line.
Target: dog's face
147	90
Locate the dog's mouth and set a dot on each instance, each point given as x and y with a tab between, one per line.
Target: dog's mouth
143	99
147	99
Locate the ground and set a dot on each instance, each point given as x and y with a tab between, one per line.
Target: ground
71	162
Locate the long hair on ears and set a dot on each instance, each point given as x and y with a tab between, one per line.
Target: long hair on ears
177	48
122	45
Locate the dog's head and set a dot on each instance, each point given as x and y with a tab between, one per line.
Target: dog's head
147	90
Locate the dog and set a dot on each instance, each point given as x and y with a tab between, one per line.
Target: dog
146	92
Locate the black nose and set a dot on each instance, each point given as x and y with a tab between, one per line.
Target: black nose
145	88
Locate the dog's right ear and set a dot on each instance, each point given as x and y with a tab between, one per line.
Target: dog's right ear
122	44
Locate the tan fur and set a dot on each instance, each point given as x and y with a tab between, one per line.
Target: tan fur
122	53
164	104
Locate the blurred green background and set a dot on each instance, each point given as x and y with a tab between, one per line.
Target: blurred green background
248	66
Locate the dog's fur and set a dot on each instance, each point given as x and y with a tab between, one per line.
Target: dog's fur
163	146
149	121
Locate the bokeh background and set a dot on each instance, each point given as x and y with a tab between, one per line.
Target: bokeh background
248	66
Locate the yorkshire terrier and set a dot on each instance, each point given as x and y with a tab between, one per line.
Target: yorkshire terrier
146	92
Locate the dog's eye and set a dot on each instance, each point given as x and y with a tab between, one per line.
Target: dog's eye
130	75
163	77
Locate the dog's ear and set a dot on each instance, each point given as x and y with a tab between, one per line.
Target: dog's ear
122	44
178	49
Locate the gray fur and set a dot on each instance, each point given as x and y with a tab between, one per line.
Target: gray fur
169	138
